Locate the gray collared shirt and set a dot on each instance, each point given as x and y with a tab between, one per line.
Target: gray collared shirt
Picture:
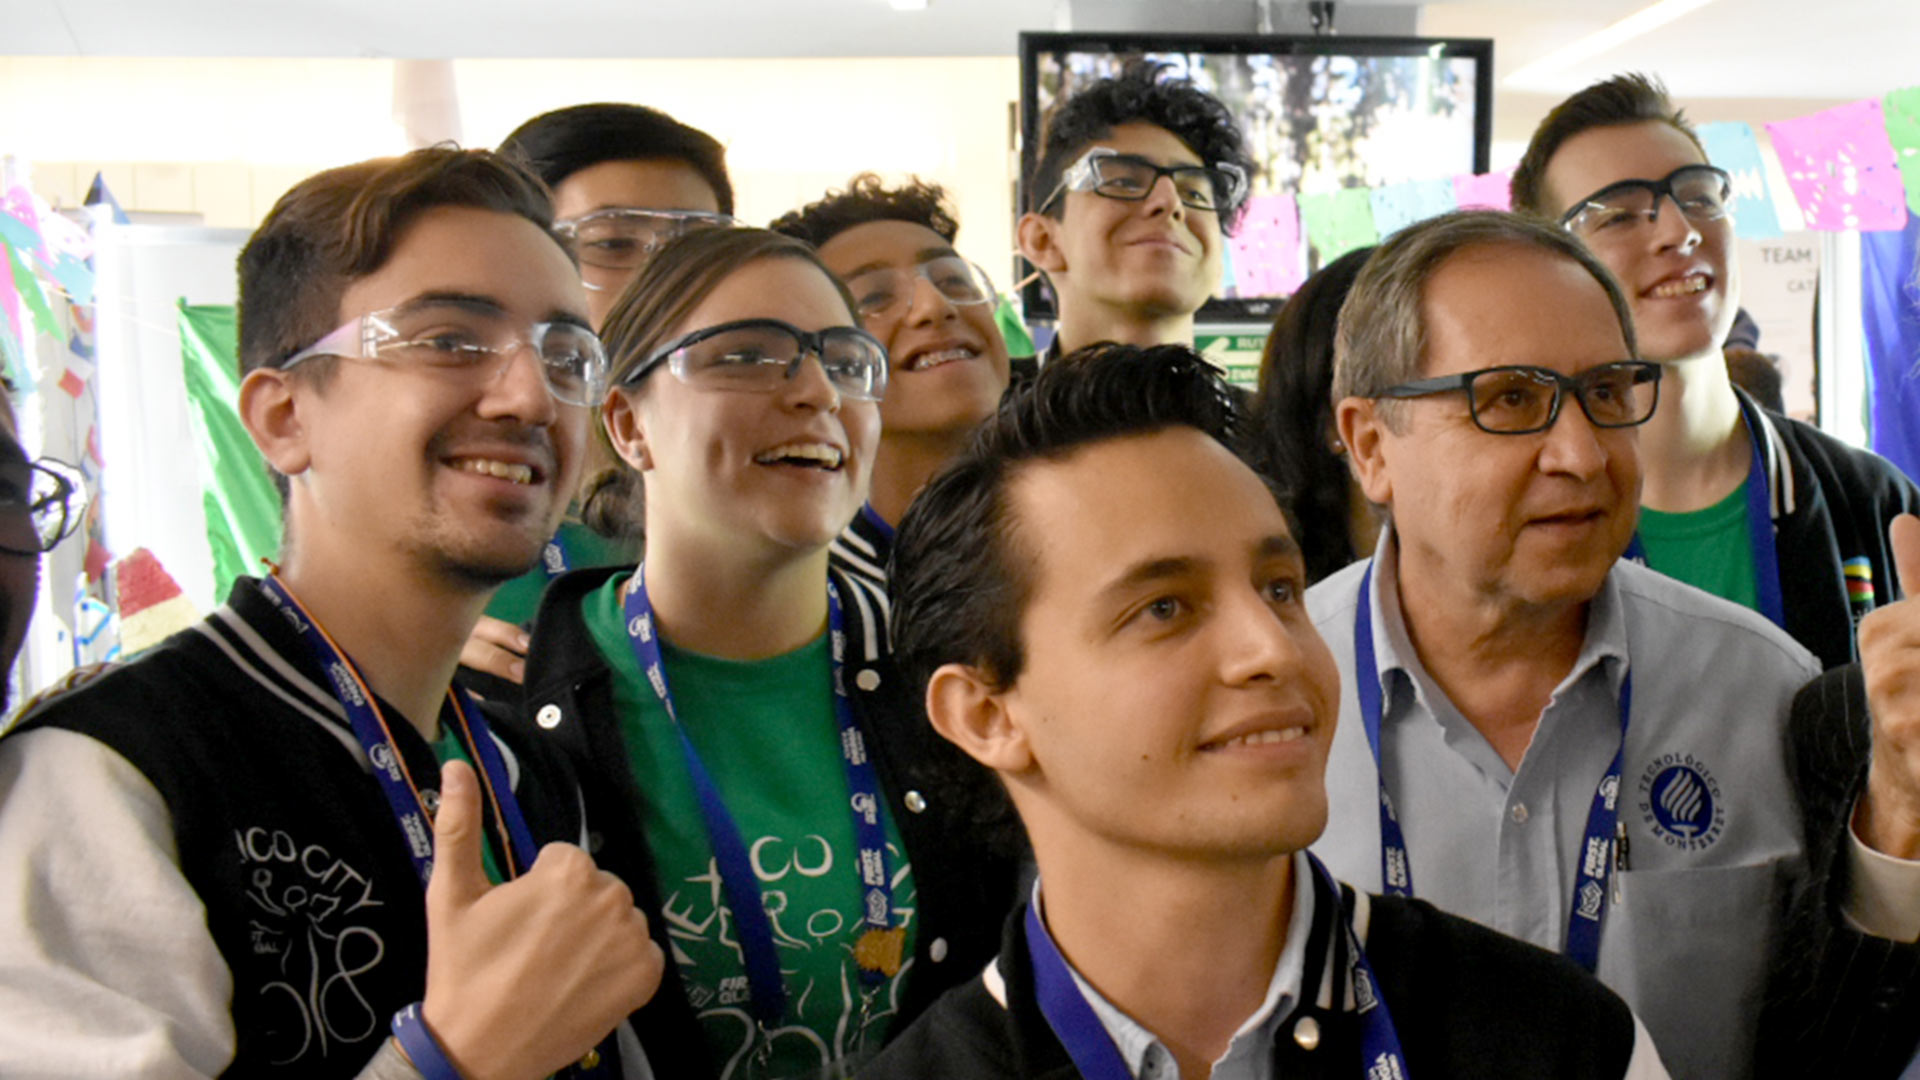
1712	827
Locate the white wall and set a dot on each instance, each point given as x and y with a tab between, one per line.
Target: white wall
222	139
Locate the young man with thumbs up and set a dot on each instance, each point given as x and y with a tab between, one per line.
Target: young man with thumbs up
1846	998
220	858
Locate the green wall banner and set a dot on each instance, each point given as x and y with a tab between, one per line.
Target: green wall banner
243	509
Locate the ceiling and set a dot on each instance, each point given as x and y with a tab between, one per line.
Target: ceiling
1780	49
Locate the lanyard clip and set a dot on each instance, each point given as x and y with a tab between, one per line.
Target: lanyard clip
1619	857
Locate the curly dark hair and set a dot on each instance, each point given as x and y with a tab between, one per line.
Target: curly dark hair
1293	414
1624	99
865	200
1137	95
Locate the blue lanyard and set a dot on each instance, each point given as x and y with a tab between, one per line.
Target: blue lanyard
1073	1021
554	560
1760	539
1380	1053
1766	558
390	765
1599	852
1087	1042
877	952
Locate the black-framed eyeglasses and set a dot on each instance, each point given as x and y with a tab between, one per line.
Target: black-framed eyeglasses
761	355
625	237
1700	191
883	295
41	504
1522	399
1131	178
459	340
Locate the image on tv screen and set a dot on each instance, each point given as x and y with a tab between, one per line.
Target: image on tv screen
1337	115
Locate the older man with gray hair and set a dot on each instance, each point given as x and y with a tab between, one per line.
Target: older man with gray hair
1573	749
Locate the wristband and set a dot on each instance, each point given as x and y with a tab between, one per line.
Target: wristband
417	1041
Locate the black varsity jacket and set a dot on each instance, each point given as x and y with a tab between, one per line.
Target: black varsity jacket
1840	1002
864	547
1831	507
963	888
283	831
1466	1002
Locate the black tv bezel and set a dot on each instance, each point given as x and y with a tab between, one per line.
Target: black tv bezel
1037	303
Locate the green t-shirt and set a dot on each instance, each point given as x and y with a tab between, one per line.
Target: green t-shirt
1710	549
767	733
519	599
448	747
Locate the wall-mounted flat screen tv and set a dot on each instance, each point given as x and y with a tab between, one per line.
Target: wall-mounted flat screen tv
1320	114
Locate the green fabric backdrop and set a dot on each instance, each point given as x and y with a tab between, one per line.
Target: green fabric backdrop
243	509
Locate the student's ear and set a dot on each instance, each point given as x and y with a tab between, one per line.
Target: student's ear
967	712
1039	239
272	417
621	416
1364	431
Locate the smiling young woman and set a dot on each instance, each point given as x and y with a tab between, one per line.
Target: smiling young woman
730	704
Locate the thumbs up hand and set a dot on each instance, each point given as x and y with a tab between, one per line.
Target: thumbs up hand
1889	818
525	977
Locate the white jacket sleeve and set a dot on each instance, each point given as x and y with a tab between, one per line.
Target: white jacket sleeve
1645	1063
106	965
1883	893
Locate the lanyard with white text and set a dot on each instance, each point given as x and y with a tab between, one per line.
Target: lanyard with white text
1091	1047
878	951
1380	1053
1760	540
1597	852
553	557
389	764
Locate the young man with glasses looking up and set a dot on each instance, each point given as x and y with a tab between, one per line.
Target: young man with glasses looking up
1137	182
241	853
1539	735
625	179
1746	504
934	311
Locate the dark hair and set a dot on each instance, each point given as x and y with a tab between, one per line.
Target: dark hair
557	144
1758	374
1293	415
867	200
343	224
1624	99
682	274
960	578
1137	95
